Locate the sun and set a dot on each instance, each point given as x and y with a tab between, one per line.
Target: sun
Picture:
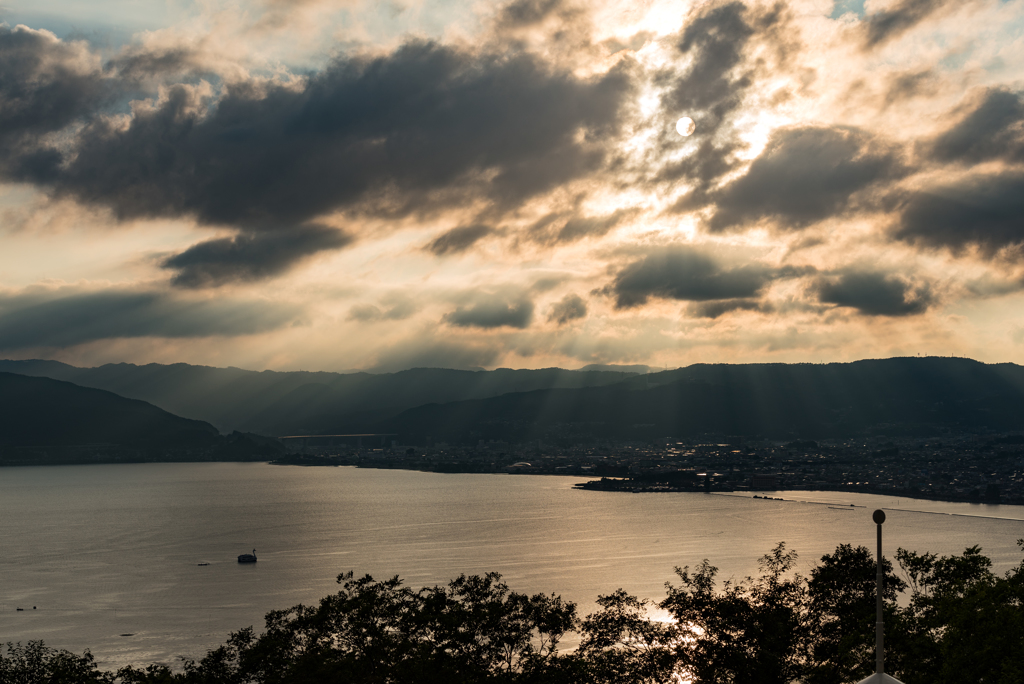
685	126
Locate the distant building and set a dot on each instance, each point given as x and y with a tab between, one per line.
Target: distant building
764	482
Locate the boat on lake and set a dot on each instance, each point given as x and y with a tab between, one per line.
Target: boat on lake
248	557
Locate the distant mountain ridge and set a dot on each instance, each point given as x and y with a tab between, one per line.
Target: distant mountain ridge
302	402
897	396
47	412
47	421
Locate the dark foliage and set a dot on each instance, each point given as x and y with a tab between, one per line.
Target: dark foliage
34	663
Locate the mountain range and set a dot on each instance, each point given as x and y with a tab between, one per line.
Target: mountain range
54	413
47	421
897	396
302	402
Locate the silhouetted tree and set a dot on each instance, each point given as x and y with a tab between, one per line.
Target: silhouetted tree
963	625
34	663
621	643
841	614
380	632
754	631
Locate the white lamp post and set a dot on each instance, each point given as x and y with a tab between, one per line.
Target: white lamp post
879	677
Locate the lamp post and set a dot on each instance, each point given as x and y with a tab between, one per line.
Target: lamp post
879	677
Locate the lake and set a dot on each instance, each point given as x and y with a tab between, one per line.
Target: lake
109	555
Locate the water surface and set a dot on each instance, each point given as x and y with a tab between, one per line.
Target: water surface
108	550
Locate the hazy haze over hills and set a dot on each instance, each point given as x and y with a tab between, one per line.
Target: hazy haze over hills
885	396
896	396
280	403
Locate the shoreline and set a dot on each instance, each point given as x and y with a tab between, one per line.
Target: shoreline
854	507
605	484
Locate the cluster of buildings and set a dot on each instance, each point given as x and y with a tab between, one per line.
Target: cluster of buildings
982	468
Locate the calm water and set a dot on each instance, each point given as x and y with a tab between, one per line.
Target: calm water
112	550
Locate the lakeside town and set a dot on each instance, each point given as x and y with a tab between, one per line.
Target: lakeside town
972	468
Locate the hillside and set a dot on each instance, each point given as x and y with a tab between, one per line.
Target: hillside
898	396
45	412
301	402
53	421
887	396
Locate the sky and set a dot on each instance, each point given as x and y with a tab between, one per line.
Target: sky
346	184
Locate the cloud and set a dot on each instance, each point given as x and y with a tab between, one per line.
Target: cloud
492	312
423	126
904	85
396	308
570	308
720	307
522	13
803	176
984	210
881	27
715	41
250	257
874	294
137	63
711	88
458	239
45	85
685	273
991	127
65	320
555	229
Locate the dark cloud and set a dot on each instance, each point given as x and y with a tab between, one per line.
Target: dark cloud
570	308
65	320
458	239
874	294
492	312
581	227
715	41
883	26
714	85
251	256
137	63
716	308
420	128
984	210
803	176
909	84
992	127
395	133
687	274
521	13
45	85
555	229
709	162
